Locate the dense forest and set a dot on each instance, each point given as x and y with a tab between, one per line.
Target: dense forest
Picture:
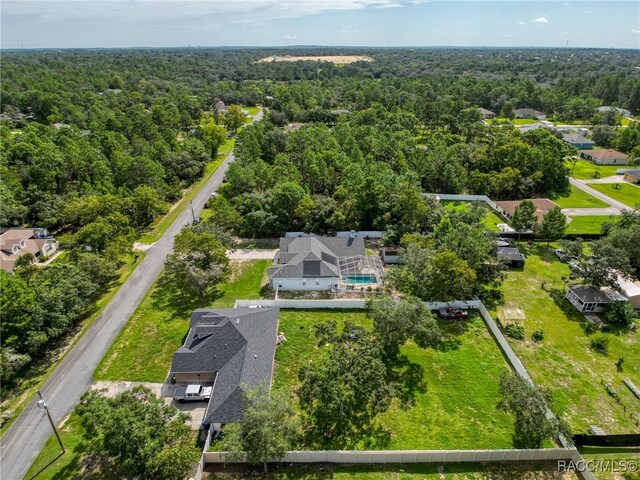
97	144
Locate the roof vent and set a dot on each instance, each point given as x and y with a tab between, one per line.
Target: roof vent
237	321
255	356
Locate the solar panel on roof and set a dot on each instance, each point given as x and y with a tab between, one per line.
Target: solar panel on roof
311	268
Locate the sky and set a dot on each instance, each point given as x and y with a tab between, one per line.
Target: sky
383	23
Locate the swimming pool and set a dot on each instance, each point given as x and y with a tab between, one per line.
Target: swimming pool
360	279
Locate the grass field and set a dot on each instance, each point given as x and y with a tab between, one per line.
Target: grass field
627	193
563	361
585	170
490	219
34	378
144	348
515	121
252	110
458	408
579	199
588	224
454	471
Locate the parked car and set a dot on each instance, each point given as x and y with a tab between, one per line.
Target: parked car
214	194
453	313
192	393
561	254
224	179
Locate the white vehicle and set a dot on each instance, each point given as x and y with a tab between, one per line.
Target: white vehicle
192	393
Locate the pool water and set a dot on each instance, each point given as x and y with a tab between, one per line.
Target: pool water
360	280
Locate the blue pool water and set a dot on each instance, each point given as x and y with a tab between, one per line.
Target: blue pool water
360	279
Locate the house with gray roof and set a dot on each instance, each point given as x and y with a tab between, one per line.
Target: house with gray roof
578	141
590	299
310	262
228	348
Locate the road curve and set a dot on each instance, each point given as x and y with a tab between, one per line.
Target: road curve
26	437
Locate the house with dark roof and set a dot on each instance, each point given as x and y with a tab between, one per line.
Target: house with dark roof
228	348
529	113
15	242
511	256
605	156
578	141
590	299
310	262
632	176
616	110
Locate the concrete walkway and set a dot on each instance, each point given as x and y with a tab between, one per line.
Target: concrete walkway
252	254
590	212
609	179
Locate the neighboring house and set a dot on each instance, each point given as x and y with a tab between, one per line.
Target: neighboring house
228	348
15	242
578	141
221	108
630	288
486	114
589	299
529	113
543	205
531	126
622	111
511	256
323	263
632	176
605	156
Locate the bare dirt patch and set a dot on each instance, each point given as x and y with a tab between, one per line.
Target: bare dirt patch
337	59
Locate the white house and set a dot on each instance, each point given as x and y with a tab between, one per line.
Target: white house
590	299
322	263
631	289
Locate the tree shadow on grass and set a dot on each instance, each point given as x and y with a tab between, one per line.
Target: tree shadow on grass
166	297
409	378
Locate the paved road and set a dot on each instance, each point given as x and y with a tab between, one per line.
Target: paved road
592	191
20	445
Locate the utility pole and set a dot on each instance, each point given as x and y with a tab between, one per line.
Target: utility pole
193	214
43	404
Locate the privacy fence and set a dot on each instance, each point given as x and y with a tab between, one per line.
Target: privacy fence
568	452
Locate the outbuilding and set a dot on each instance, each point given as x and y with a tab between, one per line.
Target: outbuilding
590	299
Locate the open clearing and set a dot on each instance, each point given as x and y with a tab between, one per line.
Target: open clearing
458	409
585	170
490	220
588	225
579	199
563	362
337	59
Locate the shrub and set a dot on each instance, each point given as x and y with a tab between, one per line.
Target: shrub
590	327
600	344
620	313
538	335
515	331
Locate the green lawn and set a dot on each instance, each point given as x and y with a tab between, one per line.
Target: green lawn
579	199
51	465
452	471
144	348
490	219
35	378
252	110
585	170
563	361
588	224
515	121
458	408
623	192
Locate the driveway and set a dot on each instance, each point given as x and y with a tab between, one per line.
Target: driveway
251	254
196	410
22	442
592	191
609	179
590	212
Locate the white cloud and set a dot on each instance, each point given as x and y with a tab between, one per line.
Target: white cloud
388	5
565	33
542	19
290	37
520	22
635	31
504	35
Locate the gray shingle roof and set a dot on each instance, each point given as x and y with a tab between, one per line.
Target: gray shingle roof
591	294
238	344
312	257
575	138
